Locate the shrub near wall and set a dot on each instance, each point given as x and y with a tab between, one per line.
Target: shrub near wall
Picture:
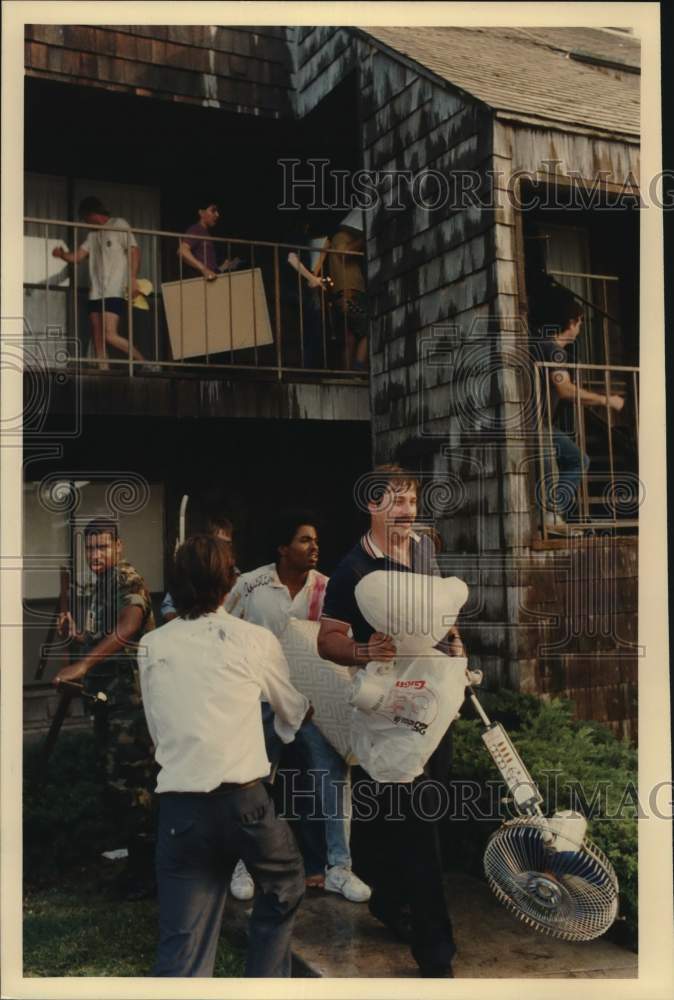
579	765
63	819
70	926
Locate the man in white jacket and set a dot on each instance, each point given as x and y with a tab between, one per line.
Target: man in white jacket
202	677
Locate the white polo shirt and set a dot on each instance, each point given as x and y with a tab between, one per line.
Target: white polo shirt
261	598
202	682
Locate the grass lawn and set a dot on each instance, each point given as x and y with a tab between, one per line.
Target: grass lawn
72	927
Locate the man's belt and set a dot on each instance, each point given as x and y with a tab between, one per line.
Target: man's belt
226	787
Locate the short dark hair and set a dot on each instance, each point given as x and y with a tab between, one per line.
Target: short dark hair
201	576
102	526
561	309
390	475
284	528
91	206
203	205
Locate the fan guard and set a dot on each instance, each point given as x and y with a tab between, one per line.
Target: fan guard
571	895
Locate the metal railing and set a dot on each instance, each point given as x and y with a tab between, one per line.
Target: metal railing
603	490
261	315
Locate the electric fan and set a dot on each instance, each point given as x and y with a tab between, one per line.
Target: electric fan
544	870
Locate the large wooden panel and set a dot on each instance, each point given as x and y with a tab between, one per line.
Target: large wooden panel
207	317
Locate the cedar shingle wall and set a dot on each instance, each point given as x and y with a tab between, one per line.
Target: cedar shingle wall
578	632
322	58
239	69
450	383
433	286
427	267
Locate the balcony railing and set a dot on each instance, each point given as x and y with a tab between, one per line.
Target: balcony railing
260	316
606	493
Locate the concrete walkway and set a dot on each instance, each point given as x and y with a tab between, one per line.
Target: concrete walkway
337	939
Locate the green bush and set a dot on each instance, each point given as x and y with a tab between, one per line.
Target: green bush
579	765
63	819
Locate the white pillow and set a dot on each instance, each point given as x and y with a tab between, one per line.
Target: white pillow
403	708
327	685
416	610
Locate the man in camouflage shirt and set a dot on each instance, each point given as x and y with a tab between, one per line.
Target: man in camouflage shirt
119	612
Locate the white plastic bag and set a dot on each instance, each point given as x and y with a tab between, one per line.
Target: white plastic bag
403	708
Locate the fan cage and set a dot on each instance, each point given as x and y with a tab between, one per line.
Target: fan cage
572	895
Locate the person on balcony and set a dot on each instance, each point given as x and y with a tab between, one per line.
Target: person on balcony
114	258
310	293
349	307
559	494
199	253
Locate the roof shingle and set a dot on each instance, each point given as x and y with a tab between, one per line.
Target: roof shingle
529	72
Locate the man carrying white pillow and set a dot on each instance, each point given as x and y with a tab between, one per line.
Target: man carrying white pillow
401	858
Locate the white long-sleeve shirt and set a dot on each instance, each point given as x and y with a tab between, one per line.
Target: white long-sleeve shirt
202	682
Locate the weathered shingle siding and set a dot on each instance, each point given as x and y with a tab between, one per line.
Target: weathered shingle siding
435	280
323	57
426	266
578	613
240	69
547	151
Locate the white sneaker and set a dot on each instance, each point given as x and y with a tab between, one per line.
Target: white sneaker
242	885
343	880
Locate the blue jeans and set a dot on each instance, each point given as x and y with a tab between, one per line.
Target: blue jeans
571	462
310	832
329	773
200	838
